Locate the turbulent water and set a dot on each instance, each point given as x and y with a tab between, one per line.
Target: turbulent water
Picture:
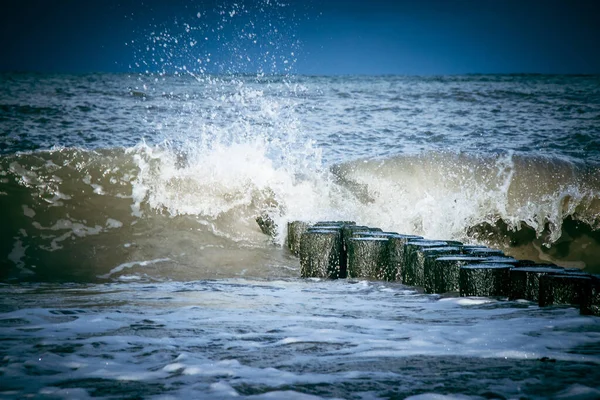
102	171
132	264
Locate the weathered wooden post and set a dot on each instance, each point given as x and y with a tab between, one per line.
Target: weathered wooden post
412	271
336	249
429	255
368	257
590	304
294	233
396	245
525	281
336	226
484	280
445	275
563	288
347	232
320	254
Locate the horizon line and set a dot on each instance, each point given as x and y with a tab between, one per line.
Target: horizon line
263	74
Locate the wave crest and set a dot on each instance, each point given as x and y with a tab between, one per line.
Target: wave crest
79	214
454	195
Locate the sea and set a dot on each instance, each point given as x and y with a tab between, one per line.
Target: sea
132	265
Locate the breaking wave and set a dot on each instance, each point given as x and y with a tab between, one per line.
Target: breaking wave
161	212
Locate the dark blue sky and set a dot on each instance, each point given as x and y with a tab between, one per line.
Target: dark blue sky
326	37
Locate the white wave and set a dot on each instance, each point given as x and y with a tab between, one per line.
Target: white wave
132	264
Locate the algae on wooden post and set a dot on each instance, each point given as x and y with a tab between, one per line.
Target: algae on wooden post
396	245
525	281
412	273
563	288
266	224
320	254
427	259
338	226
484	280
295	231
441	275
369	258
590	304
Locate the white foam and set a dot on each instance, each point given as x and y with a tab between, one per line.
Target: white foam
65	393
132	264
227	182
435	396
469	301
223	389
28	212
579	392
113	224
285	394
215	337
173	367
17	254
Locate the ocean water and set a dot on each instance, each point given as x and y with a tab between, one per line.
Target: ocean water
132	265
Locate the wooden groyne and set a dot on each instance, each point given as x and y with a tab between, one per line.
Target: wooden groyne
342	249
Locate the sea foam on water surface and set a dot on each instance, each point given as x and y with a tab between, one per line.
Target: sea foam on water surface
322	338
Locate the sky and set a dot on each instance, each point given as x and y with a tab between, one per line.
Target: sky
316	37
